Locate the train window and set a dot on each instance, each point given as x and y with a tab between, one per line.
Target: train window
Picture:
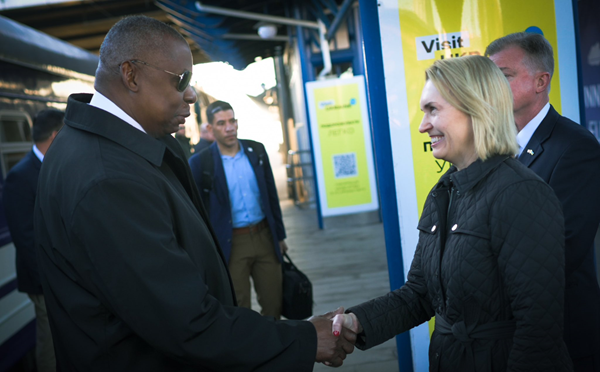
15	128
15	138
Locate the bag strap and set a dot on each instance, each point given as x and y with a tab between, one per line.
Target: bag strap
208	170
285	255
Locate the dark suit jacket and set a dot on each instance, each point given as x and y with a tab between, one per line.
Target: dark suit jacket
201	145
220	206
18	197
567	156
133	277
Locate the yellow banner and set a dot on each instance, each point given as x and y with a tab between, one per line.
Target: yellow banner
345	168
448	29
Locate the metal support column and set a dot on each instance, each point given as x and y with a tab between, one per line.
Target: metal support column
283	96
308	75
378	111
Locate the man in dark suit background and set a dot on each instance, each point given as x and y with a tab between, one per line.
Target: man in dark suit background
184	141
206	138
18	197
244	209
567	157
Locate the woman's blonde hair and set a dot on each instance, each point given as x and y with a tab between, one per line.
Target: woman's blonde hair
477	87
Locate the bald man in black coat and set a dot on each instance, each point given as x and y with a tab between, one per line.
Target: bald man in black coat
133	275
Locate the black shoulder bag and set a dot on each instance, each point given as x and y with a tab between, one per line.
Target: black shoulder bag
297	291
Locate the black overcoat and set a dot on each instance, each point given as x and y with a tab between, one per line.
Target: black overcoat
133	277
496	255
567	156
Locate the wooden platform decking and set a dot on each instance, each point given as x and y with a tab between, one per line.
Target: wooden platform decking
347	265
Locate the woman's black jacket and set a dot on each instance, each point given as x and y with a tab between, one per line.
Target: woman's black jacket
490	252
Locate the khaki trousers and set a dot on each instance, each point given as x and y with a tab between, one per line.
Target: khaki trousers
44	347
253	255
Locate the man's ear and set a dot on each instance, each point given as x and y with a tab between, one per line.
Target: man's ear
542	81
129	76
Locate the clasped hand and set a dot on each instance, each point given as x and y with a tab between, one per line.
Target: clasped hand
336	336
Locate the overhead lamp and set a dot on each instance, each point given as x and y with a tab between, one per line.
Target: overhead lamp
267	30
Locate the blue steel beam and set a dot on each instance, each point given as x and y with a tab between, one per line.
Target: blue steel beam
182	22
214	49
308	75
355	33
338	19
206	31
192	20
313	38
378	110
192	32
317	11
331	5
188	9
337	56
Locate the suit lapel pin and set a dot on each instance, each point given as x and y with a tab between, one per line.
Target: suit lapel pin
530	152
250	149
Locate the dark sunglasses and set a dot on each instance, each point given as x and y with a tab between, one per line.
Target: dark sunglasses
184	79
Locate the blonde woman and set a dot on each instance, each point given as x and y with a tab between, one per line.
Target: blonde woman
489	264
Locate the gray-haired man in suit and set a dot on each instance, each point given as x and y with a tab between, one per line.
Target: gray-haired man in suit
567	157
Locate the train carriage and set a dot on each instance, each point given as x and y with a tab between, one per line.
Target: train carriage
37	71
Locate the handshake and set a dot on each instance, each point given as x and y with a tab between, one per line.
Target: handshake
336	336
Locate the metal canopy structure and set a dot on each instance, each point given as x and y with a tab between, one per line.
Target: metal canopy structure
227	38
217	30
85	23
228	30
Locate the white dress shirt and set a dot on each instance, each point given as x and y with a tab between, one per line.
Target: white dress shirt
103	103
526	133
38	153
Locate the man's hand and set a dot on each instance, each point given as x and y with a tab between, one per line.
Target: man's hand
283	246
332	350
349	321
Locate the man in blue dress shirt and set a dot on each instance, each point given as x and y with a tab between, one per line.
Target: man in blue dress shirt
238	188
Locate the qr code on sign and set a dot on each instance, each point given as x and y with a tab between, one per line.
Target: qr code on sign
344	165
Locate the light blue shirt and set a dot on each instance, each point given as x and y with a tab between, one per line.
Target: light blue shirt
244	194
38	153
526	133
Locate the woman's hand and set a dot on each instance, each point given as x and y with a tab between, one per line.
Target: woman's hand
349	321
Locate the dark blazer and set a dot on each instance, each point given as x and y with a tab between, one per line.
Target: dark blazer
490	262
220	206
133	277
567	156
18	197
